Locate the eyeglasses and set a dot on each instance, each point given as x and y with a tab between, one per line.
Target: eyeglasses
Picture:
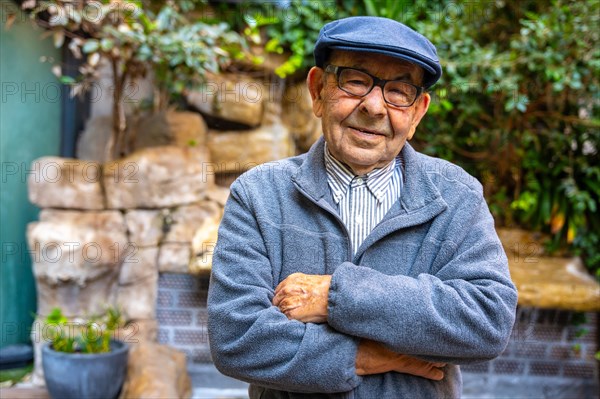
359	83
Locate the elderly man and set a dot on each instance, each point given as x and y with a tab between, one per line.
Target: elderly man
361	269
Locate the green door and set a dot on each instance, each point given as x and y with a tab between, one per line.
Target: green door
29	128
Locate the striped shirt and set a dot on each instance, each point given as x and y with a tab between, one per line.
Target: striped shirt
364	200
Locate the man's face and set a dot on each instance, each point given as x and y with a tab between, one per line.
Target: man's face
365	132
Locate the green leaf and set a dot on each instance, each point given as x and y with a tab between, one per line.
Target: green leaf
90	46
67	80
105	44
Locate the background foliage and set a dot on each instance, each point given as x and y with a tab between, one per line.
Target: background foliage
517	105
136	37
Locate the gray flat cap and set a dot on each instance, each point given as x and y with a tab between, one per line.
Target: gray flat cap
379	35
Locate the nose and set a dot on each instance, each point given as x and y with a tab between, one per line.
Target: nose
373	103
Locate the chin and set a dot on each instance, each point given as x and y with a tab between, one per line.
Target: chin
364	158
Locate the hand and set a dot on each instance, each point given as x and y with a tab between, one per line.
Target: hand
373	358
303	297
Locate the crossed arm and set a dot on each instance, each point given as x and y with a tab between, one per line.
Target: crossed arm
304	297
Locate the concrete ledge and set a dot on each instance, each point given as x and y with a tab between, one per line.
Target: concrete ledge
546	281
209	383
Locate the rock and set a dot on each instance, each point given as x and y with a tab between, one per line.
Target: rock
138	299
145	227
76	246
271	61
239	151
225	180
65	183
76	258
521	242
298	116
183	129
186	219
138	331
203	244
139	264
156	371
273	108
555	283
544	281
92	141
103	220
231	97
77	299
174	258
38	339
158	177
218	194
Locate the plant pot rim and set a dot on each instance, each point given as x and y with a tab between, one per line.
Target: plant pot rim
117	347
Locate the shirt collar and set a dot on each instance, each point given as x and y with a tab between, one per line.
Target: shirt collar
340	177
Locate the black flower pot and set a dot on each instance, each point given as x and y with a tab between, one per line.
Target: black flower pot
84	375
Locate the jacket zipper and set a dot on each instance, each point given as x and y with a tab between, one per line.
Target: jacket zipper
350	257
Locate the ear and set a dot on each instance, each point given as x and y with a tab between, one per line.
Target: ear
421	107
314	81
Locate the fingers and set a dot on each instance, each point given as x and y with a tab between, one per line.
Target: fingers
287	287
289	280
430	372
288	304
420	368
287	292
303	297
434	374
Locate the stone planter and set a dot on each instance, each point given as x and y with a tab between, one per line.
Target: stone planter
84	375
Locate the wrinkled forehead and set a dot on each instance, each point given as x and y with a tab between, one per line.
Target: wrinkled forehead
382	66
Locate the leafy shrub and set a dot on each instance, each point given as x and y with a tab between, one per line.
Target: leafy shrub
135	38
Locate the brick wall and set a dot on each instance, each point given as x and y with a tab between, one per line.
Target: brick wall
547	343
544	343
181	314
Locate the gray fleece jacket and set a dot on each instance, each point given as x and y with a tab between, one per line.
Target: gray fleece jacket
431	280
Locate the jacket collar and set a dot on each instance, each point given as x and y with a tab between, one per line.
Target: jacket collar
418	190
312	175
420	200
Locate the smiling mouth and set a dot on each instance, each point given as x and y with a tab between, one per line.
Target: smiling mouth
369	132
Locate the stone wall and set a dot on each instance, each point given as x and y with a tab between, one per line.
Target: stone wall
106	232
136	232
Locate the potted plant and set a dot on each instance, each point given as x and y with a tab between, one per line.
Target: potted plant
81	359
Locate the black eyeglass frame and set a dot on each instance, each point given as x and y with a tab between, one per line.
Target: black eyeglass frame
337	70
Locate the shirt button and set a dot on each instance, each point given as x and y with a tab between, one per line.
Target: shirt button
359	180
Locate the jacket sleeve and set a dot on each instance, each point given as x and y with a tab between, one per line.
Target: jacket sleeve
250	339
460	313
